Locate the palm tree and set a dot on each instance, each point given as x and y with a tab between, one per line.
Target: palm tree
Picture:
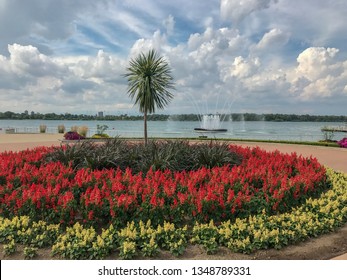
149	81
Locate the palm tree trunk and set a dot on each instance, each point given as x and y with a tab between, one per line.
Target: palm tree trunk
145	126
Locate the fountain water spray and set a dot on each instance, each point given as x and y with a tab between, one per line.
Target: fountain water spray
211	123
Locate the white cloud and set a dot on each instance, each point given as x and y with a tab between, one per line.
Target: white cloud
169	24
275	38
316	63
281	54
243	69
27	60
103	67
44	83
237	10
319	73
157	42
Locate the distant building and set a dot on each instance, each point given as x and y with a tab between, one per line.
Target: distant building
100	114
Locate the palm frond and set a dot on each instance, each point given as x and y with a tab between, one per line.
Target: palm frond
149	81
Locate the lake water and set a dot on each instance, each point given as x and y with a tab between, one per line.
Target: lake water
296	131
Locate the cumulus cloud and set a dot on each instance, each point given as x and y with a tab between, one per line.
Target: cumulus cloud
242	68
237	10
27	60
157	42
41	82
77	57
102	67
319	73
275	38
318	62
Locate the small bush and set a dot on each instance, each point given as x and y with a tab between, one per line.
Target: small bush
74	128
343	143
100	136
11	247
43	128
30	252
83	130
157	155
72	135
100	129
61	128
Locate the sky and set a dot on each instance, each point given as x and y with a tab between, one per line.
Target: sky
226	56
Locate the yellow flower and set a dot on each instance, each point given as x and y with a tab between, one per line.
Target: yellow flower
128	247
257	234
168	226
100	241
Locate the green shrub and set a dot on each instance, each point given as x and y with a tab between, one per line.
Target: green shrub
30	253
61	128
157	155
100	129
82	130
100	136
43	128
11	247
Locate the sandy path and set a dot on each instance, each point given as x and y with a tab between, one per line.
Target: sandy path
17	142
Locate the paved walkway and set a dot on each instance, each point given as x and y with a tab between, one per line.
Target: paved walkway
335	158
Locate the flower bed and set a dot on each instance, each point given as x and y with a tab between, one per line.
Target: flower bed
314	217
53	192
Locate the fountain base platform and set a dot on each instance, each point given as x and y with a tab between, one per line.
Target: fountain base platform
200	129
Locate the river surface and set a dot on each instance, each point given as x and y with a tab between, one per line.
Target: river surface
262	130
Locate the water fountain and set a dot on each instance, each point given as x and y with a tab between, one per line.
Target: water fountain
210	123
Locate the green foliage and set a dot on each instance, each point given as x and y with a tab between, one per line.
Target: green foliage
215	154
149	78
157	155
24	230
43	128
127	250
127	238
61	128
148	239
100	129
100	136
100	132
30	252
71	154
172	238
149	81
11	247
79	243
207	236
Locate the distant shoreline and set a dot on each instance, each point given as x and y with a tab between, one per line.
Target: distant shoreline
8	115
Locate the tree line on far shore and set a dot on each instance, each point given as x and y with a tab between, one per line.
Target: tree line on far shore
178	117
